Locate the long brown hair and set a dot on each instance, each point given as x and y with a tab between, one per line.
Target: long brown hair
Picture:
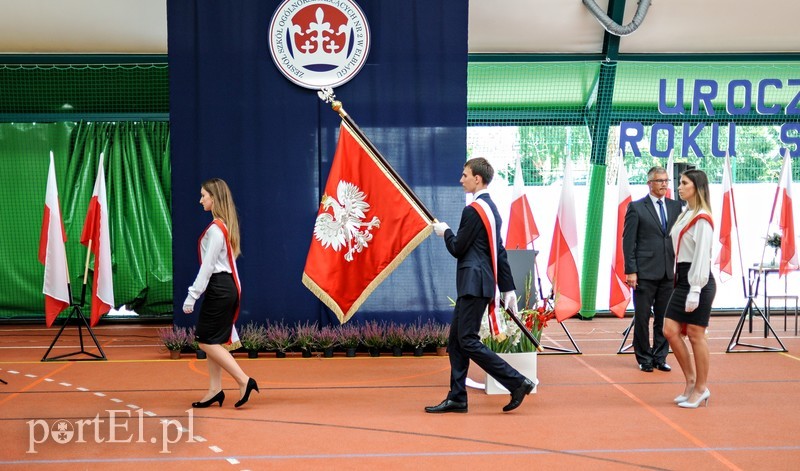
224	209
702	196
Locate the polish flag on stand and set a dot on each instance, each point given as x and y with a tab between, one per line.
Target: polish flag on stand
727	223
620	295
561	268
789	260
522	229
670	169
96	237
52	253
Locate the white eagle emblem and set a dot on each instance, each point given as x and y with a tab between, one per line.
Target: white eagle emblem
345	226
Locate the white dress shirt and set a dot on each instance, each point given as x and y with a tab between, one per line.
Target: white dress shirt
215	259
695	247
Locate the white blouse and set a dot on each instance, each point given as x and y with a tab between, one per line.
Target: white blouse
215	259
695	247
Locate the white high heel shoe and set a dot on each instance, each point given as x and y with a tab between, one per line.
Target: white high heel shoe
693	405
682	397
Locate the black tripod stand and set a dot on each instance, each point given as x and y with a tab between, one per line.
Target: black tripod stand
747	313
80	321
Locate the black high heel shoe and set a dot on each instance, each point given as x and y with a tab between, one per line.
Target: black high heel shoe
220	396
251	384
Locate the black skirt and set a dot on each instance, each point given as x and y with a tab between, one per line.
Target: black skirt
216	313
676	310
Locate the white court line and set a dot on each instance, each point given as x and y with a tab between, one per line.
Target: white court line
215	449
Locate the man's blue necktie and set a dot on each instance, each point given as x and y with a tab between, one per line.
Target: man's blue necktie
663	216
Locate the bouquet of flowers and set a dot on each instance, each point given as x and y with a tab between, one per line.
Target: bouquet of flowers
534	315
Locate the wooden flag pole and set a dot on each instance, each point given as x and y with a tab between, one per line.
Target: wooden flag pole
86	272
326	95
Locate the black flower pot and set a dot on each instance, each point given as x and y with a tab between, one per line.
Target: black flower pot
252	354
306	353
374	351
280	354
350	352
418	351
201	355
328	352
397	351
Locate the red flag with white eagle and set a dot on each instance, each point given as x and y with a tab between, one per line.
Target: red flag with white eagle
96	237
367	224
522	229
620	295
561	267
52	253
727	223
789	259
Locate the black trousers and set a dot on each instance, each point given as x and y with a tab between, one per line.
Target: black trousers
465	345
650	299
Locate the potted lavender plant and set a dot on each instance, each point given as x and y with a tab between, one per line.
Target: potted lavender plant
395	338
326	339
349	338
373	334
304	334
175	339
279	338
253	338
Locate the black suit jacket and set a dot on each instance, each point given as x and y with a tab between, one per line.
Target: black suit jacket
648	252
474	275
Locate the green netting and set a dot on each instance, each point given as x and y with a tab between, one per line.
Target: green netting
75	89
555	107
545	112
79	111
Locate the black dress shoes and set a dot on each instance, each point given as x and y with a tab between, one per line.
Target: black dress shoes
519	395
447	406
218	397
646	367
663	366
251	384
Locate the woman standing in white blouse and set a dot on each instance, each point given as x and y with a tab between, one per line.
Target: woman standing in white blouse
689	308
219	280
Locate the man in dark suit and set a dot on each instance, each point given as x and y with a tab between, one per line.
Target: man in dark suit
476	286
649	267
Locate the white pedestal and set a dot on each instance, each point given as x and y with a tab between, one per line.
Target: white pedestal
525	363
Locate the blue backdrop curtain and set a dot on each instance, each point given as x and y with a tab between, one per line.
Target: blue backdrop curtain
234	116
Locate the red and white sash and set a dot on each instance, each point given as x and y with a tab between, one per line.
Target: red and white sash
489	222
232	262
680	237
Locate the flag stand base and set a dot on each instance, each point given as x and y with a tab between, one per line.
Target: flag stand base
562	350
626	348
748	311
81	323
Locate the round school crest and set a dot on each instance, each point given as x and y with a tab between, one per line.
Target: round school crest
319	43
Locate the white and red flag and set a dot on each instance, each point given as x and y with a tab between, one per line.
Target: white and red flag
789	259
670	169
727	224
561	267
96	237
522	229
52	253
367	224
620	295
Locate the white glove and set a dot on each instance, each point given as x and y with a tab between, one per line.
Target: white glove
692	301
439	228
510	301
188	305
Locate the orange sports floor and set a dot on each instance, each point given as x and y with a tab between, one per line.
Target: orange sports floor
593	411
